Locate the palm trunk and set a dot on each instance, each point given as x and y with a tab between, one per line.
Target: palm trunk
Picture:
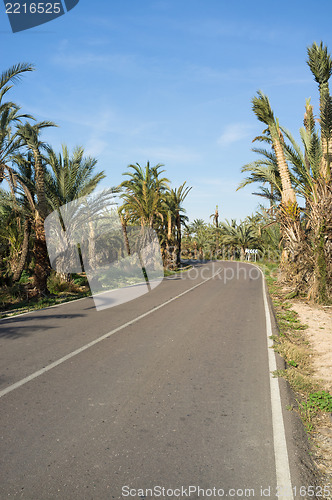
179	239
321	225
25	249
42	263
125	234
195	250
291	233
288	193
326	147
170	247
92	247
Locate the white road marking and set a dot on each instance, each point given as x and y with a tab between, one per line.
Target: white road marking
284	481
96	341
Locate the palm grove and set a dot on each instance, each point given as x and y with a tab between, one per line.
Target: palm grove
288	173
41	180
296	180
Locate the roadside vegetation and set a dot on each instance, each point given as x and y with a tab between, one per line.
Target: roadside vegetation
312	401
297	181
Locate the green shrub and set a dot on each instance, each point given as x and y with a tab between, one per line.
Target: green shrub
321	400
24	279
56	285
79	280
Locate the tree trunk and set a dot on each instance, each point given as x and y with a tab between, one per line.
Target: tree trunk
92	247
288	193
25	249
179	240
326	147
321	224
42	263
125	234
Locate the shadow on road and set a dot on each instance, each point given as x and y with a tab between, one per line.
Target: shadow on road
12	328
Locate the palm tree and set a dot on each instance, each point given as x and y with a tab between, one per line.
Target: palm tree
307	254
69	178
9	117
142	194
29	137
25	200
215	217
175	216
215	220
262	109
10	232
320	64
10	144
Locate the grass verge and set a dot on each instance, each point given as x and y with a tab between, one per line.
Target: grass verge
291	343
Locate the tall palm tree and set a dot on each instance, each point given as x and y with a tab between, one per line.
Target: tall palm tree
29	136
10	232
25	200
320	64
142	194
9	117
215	217
69	176
262	109
215	220
176	218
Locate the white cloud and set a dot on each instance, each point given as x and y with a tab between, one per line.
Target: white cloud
164	154
235	132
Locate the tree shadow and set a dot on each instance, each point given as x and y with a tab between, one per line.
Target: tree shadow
13	328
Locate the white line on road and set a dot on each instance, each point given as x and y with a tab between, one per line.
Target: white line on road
284	482
49	367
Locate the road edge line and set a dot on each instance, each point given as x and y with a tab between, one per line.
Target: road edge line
284	482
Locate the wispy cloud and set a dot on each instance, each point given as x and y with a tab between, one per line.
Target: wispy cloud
235	132
75	59
173	154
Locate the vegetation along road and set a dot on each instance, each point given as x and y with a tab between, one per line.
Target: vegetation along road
172	390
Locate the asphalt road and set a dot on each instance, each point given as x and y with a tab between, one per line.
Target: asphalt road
179	397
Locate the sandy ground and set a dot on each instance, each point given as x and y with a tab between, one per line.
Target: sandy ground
319	334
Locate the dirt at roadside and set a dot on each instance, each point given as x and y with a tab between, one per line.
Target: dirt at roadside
319	335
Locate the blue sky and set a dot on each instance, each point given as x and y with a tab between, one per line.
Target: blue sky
170	82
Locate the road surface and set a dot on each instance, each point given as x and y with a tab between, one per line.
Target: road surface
176	396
